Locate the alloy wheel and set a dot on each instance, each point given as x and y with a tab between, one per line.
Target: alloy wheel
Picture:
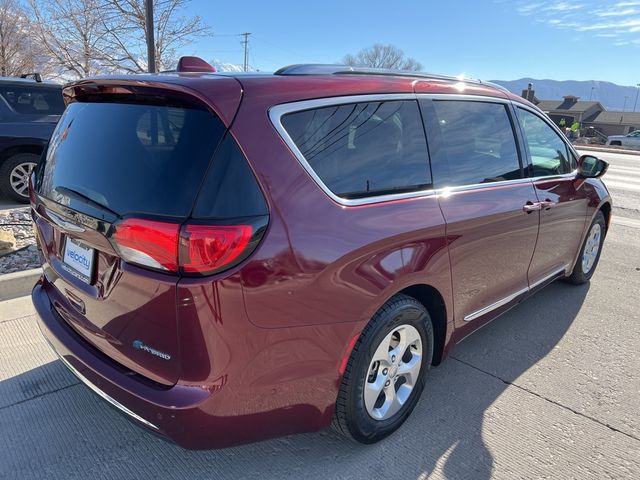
591	248
19	178
393	372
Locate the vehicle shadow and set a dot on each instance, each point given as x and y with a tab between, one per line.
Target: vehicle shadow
65	431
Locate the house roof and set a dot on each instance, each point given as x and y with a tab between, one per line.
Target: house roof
568	106
615	118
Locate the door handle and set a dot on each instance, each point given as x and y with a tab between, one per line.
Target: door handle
532	206
547	204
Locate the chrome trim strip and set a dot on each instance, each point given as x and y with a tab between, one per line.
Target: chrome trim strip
62	223
549	277
493	306
106	397
485	324
463	97
513	296
564	176
475	186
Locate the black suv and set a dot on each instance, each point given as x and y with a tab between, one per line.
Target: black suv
29	111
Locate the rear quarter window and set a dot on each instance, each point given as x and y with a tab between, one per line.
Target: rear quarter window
363	149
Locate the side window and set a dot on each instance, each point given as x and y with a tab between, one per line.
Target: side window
475	144
549	153
39	100
363	149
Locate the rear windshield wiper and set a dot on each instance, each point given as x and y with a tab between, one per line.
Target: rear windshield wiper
92	208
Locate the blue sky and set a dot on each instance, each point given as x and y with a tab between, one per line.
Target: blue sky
488	39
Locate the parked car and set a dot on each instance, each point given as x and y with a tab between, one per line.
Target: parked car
629	140
247	256
29	111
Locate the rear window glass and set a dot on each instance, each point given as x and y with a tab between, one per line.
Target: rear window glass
131	158
363	149
34	101
476	144
230	188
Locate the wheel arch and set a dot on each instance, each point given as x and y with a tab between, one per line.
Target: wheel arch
434	302
9	152
605	208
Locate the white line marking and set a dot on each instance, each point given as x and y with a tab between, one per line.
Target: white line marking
622	179
615	168
627	222
623	186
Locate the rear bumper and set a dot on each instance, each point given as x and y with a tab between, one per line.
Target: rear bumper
195	416
161	410
111	401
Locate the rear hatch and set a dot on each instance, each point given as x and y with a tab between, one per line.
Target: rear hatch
118	182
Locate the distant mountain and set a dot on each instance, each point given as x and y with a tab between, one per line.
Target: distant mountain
225	67
610	95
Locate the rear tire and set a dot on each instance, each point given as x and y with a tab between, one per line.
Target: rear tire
386	371
14	176
589	252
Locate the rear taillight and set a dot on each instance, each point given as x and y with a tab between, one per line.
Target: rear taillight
147	242
191	249
205	248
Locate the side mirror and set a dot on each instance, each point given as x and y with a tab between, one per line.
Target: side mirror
591	167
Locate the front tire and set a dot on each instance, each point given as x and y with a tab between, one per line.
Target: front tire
14	176
590	251
386	371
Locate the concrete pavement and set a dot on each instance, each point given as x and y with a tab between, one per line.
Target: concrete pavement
549	390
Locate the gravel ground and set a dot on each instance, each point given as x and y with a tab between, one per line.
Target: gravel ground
25	256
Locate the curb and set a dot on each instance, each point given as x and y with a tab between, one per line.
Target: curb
606	149
18	284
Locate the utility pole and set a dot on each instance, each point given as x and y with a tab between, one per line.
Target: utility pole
151	43
624	106
245	42
637	91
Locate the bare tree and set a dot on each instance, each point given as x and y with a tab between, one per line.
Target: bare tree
18	54
72	34
382	56
125	24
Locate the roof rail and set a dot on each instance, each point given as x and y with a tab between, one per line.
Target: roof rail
36	76
324	69
313	69
494	85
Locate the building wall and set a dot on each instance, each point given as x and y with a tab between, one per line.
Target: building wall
613	129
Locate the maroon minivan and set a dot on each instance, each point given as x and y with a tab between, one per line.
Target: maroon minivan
231	257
